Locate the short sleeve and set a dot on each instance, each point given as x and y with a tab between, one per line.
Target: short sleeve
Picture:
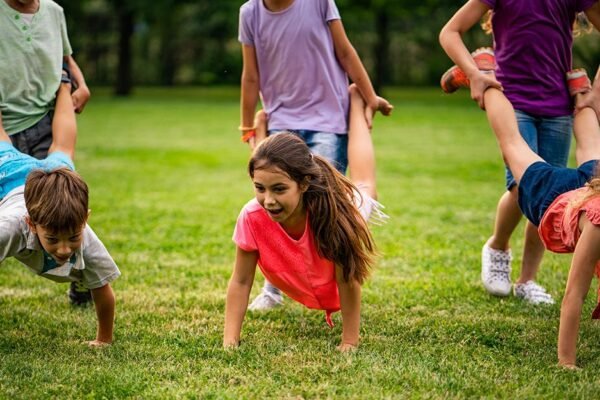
246	25
11	238
331	11
490	3
58	159
592	210
100	268
242	235
67	50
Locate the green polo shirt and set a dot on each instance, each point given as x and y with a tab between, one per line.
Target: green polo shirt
31	57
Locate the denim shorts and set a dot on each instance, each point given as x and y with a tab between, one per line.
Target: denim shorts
548	137
332	146
542	183
35	140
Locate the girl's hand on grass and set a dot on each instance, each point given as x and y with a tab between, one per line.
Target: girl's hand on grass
97	343
231	344
347	347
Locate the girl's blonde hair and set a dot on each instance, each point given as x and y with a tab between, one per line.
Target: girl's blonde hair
581	25
341	234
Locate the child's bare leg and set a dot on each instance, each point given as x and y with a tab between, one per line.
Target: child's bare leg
361	156
587	135
501	116
260	122
64	125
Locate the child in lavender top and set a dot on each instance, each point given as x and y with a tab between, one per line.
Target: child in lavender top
532	41
297	57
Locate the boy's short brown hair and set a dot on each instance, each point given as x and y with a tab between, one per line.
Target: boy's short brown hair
56	200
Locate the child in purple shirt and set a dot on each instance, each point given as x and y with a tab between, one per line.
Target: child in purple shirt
532	44
297	58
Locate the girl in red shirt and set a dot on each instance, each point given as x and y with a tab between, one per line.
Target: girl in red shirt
307	228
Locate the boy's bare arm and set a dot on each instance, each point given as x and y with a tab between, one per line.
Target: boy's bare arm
451	41
350	293
238	293
351	63
585	258
64	125
104	301
82	94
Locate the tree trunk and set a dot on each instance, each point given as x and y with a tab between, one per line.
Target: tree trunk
381	50
124	82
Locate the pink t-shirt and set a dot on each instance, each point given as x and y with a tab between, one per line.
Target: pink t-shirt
293	266
559	227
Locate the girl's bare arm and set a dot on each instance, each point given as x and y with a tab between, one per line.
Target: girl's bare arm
585	258
238	292
451	41
350	304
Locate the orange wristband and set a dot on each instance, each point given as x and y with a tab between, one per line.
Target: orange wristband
248	135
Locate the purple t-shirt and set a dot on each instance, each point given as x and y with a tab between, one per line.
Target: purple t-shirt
302	85
532	43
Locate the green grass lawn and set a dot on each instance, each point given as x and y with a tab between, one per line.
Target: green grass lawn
167	176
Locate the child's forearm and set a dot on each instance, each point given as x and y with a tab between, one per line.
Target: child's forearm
104	301
350	293
569	329
357	72
235	311
249	101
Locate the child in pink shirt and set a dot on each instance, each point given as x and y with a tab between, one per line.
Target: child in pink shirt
307	228
563	202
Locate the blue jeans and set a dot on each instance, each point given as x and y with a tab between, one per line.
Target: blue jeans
548	137
332	146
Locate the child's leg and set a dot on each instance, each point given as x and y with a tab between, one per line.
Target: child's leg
260	122
64	125
361	156
501	116
587	135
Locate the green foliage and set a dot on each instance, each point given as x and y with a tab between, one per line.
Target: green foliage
195	42
167	176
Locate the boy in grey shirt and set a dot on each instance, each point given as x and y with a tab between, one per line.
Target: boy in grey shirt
44	212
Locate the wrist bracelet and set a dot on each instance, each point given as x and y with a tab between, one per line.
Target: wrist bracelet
248	135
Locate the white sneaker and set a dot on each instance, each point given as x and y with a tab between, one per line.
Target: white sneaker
532	293
266	301
495	270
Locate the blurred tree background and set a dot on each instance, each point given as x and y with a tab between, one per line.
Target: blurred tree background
194	42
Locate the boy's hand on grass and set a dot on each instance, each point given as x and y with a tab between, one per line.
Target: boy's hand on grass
97	343
347	347
480	82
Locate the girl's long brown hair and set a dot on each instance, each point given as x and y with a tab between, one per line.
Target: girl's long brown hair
340	232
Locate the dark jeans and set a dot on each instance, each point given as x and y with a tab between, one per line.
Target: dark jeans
35	140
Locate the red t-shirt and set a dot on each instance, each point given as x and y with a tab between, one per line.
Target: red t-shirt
293	266
559	227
